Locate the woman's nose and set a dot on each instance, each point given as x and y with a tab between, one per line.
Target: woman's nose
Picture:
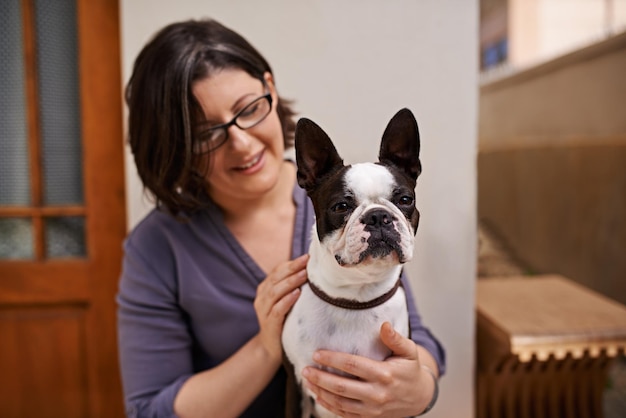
238	138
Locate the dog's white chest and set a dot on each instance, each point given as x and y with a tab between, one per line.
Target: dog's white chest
314	324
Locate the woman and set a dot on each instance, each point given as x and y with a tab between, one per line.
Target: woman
209	275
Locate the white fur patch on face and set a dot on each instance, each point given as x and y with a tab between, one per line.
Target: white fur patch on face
371	185
369	182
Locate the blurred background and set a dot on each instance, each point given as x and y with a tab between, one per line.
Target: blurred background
522	116
552	190
552	136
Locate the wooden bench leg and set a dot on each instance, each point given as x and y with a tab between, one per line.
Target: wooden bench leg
565	388
511	391
554	392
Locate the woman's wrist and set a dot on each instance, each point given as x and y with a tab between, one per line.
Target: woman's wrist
269	353
435	393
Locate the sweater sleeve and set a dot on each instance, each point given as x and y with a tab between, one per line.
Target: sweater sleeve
154	341
420	334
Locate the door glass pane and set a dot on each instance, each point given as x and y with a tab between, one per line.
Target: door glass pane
59	103
16	238
65	237
14	170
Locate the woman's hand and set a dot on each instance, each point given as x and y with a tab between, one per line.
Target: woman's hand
396	387
274	298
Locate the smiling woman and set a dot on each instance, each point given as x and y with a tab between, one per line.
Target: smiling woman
250	160
168	152
210	274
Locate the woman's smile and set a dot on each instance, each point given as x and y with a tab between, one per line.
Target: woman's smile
253	165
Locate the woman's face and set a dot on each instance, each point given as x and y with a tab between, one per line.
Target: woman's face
248	164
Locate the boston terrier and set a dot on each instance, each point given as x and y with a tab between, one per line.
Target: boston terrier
366	221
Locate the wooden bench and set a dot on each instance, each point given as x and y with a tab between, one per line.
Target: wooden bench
544	345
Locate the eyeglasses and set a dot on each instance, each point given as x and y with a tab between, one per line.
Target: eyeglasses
251	115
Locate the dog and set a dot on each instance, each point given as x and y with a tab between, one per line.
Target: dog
365	224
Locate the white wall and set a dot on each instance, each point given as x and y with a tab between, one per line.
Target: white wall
351	65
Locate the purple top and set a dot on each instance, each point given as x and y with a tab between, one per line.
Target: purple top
185	304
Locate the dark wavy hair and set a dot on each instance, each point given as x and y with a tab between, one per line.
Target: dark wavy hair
162	110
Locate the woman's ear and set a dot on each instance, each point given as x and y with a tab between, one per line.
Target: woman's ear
269	80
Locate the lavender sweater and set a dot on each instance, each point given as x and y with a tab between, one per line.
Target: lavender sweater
185	304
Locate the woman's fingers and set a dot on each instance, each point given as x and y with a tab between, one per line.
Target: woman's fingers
281	282
356	366
393	387
289	268
275	297
283	306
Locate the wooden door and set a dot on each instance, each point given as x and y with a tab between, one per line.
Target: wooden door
62	209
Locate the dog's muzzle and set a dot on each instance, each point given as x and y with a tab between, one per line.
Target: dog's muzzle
384	237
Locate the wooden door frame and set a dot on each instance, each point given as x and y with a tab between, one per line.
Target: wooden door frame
90	283
102	129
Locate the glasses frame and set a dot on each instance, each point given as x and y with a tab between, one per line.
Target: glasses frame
233	122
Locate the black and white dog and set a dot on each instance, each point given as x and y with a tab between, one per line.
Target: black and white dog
366	220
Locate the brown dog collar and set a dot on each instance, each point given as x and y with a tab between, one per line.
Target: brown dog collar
351	303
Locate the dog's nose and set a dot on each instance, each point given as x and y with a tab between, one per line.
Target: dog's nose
378	218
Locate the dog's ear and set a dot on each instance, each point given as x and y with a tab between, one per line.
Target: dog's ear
316	155
400	145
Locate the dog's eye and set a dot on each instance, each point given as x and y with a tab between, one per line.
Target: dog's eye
405	200
341	207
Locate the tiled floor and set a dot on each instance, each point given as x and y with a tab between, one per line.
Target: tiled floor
495	259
